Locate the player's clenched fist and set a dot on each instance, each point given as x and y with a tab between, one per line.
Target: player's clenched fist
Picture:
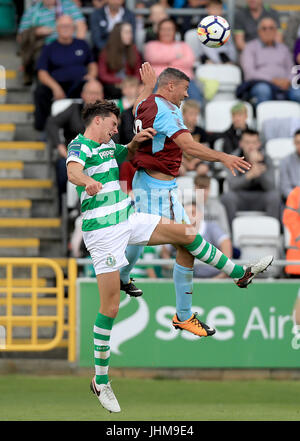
93	187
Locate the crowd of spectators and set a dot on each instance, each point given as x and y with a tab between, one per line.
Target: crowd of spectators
66	53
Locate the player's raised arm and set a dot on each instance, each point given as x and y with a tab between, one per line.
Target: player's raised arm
77	177
148	78
186	142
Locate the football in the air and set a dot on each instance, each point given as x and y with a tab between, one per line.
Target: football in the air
213	31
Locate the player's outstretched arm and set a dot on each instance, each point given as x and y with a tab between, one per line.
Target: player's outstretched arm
138	139
148	78
188	145
77	177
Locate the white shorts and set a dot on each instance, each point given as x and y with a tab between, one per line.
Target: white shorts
107	245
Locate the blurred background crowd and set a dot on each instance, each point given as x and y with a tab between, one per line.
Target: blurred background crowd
244	98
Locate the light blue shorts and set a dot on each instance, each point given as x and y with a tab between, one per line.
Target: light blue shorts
157	196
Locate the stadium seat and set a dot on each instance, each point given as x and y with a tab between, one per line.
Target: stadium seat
276	109
214	190
286	237
72	195
186	189
227	75
257	236
279	148
218	116
59	106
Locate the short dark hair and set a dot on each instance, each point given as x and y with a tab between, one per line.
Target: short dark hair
297	133
99	108
250	132
169	74
202	181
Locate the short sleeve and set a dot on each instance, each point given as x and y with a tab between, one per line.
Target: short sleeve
121	153
78	152
217	234
74	11
26	20
168	121
239	24
43	61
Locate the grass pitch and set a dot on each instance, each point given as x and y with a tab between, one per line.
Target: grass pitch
66	398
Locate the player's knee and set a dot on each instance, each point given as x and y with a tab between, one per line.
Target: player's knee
113	310
190	234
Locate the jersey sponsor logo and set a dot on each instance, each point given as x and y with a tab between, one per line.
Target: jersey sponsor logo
79	52
74	153
106	154
138	126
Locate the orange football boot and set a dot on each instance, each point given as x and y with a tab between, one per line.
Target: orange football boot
194	326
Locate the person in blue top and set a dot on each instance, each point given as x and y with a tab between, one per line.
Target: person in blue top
63	67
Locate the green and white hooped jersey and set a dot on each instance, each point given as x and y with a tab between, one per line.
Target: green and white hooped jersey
110	205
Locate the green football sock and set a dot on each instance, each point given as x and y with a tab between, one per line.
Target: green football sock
102	330
209	254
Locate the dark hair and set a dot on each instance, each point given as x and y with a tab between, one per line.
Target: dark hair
202	181
250	132
297	132
101	108
117	53
169	74
165	20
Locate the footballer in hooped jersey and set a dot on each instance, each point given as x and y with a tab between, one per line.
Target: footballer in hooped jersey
110	223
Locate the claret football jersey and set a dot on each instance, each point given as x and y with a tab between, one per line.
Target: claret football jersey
160	153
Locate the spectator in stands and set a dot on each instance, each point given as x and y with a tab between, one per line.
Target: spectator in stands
297	52
292	31
191	115
38	26
256	189
267	67
247	19
184	4
191	112
103	20
213	209
70	122
130	88
291	220
232	136
167	52
118	59
290	170
202	169
187	22
63	67
204	54
213	233
156	15
98	3
224	54
145	272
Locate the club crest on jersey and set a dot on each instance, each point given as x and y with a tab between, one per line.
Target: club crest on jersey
110	260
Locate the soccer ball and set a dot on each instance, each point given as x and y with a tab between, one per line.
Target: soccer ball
213	31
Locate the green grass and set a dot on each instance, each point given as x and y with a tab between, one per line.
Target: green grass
68	398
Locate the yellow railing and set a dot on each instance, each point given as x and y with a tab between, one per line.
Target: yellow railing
33	292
